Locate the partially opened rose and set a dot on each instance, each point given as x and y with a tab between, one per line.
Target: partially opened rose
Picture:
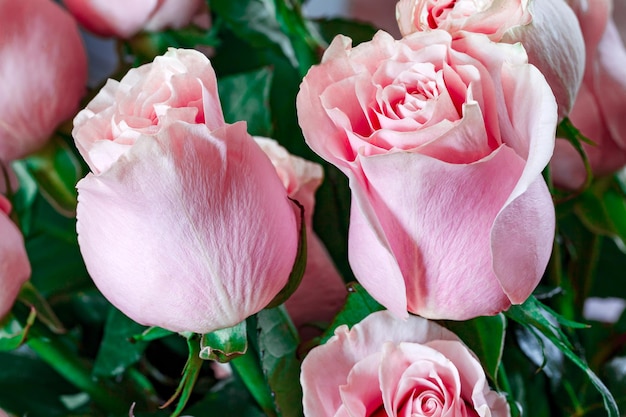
180	85
600	108
443	143
43	71
172	224
385	366
322	291
176	233
124	18
547	28
14	264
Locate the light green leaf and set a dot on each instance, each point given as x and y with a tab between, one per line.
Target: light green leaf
225	344
12	332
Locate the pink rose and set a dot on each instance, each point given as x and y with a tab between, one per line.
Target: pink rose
176	234
322	292
14	265
171	223
124	18
443	144
384	366
600	108
180	85
44	72
547	28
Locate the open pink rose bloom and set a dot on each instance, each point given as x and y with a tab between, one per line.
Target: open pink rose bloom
171	225
385	366
443	143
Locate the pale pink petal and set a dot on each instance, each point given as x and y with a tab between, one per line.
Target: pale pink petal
175	234
14	264
174	14
36	35
121	18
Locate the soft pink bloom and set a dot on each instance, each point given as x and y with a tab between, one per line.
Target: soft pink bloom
124	18
180	85
600	108
547	28
177	234
443	144
172	224
322	291
44	71
385	366
14	265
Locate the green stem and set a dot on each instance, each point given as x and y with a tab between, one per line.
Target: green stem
54	352
248	368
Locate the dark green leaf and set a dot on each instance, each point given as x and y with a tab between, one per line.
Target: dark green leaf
225	344
151	333
359	305
485	337
117	350
602	208
535	317
31	297
246	97
228	399
278	344
256	22
357	31
30	387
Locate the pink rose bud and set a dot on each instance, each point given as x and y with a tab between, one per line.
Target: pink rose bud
172	224
189	230
547	28
14	265
443	143
124	18
600	108
322	292
43	71
385	366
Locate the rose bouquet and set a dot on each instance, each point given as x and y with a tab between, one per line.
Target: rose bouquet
228	207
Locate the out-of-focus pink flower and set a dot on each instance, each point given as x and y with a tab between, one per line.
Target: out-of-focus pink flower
385	366
600	108
322	292
547	28
180	85
176	234
44	72
14	265
124	18
443	143
171	223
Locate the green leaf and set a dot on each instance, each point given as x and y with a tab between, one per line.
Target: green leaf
28	386
534	316
359	305
225	344
278	345
152	333
31	297
246	97
229	399
297	272
256	22
602	208
57	170
117	350
12	332
485	337
357	31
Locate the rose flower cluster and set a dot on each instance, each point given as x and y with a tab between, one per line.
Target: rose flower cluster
191	224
